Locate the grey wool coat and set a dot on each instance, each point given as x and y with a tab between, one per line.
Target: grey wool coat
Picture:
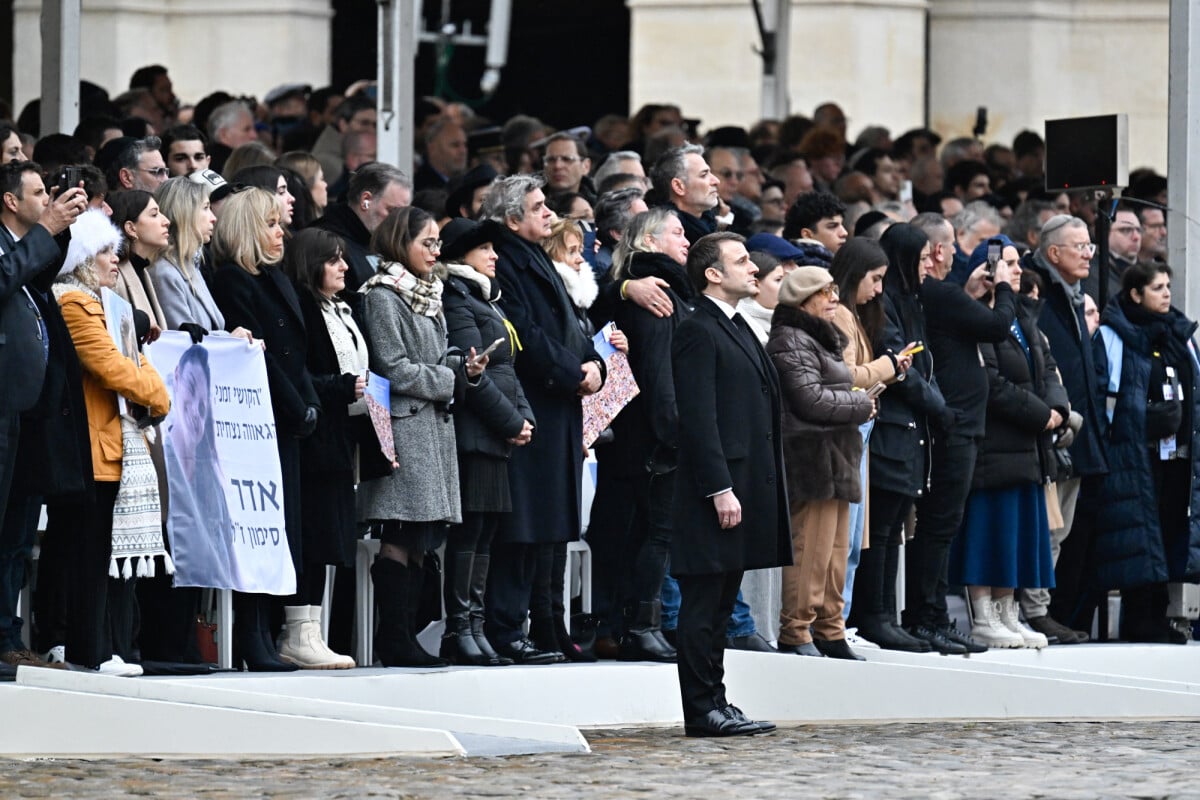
406	348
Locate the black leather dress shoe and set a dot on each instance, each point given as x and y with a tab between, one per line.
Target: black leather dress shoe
523	651
836	648
806	649
735	713
754	643
938	641
718	723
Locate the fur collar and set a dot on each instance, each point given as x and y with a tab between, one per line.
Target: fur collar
581	285
823	331
470	277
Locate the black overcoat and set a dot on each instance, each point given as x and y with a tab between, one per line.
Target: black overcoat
729	405
546	475
266	305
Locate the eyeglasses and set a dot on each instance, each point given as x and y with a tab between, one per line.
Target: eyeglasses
1083	248
158	172
431	244
560	159
830	291
729	174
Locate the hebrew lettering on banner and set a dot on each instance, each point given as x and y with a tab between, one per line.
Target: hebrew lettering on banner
226	522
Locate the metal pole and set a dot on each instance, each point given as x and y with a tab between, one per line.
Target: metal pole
394	94
1183	157
774	26
60	66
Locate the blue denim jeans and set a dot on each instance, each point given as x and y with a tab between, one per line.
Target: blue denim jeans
857	520
670	604
741	623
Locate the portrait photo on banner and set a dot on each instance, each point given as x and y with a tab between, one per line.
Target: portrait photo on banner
225	522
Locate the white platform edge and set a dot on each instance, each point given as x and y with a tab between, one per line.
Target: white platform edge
212	691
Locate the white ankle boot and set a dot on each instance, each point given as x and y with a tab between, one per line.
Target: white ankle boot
343	662
302	644
1010	618
988	629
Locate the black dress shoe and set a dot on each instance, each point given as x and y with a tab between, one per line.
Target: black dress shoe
7	672
952	633
938	641
836	648
806	649
718	723
735	713
880	630
754	643
523	651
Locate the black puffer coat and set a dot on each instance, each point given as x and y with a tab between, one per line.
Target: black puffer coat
1021	393
496	409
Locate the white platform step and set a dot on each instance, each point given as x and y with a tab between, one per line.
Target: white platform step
228	721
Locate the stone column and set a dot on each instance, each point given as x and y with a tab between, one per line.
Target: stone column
241	46
1032	60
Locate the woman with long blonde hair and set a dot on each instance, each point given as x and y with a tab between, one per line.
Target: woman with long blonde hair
252	292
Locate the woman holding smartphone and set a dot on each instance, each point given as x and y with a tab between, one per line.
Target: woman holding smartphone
494	419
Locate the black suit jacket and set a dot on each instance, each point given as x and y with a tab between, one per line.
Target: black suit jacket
341	220
22	347
729	405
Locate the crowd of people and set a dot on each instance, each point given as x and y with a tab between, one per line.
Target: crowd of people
940	365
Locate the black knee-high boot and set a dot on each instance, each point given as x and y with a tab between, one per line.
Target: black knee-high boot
395	642
479	573
458	642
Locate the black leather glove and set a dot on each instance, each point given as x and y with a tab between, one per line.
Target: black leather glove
1163	418
309	424
195	331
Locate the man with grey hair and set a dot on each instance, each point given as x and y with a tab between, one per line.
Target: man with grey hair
976	223
622	162
138	165
557	368
375	190
684	181
445	154
1062	261
231	124
613	214
941	241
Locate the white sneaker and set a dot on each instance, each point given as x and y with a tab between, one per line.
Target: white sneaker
117	667
857	642
56	655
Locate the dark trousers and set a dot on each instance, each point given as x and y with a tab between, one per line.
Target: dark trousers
608	537
510	583
13	536
1073	601
878	565
706	601
546	598
89	637
939	517
651	537
52	595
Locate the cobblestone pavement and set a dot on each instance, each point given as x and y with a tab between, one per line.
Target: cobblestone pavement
939	761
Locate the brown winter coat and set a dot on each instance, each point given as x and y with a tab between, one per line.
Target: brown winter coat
821	413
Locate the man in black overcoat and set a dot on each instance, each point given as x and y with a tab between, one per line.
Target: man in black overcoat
731	506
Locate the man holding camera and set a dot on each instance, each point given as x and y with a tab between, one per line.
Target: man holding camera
29	221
